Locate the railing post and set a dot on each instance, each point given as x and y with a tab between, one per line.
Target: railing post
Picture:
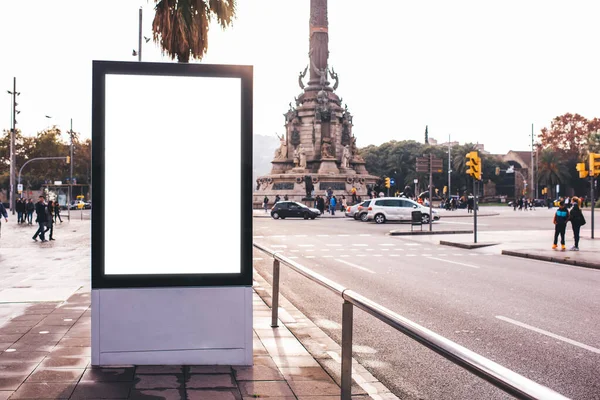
347	317
275	294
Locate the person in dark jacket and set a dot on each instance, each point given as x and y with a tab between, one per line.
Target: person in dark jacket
3	213
49	219
20	208
560	224
30	208
577	221
41	219
57	212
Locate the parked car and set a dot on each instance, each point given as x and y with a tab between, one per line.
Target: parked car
284	209
358	211
397	209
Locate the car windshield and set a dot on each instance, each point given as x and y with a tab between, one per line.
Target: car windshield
299	205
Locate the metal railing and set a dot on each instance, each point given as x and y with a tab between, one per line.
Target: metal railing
501	377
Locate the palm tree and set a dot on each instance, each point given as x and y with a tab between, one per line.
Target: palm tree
552	169
181	26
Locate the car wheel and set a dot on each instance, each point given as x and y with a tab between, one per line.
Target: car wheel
356	217
275	215
380	218
363	217
425	218
305	215
313	217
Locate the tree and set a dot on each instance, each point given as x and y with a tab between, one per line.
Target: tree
552	170
180	27
569	134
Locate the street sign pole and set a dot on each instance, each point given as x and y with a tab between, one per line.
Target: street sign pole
592	178
475	209
430	191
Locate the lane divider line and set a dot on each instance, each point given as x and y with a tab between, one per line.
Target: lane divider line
454	262
552	335
355	266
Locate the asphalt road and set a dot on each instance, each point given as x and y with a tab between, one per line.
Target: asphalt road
538	319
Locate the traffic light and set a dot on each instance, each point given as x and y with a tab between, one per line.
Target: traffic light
387	183
474	165
497	170
594	164
581	168
68	159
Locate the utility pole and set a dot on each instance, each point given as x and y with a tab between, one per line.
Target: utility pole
71	174
431	190
140	38
12	146
532	166
449	168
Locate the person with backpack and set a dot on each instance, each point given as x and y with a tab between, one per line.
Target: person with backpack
266	204
577	221
561	217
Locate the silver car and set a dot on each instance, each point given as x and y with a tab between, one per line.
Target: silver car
358	211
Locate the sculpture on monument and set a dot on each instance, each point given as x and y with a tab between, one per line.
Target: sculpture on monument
326	151
296	157
308	186
337	81
346	157
302	158
281	152
301	76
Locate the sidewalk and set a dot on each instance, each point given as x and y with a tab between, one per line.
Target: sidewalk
45	329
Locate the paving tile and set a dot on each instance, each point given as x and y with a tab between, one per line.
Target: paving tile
159	369
26	324
209	369
11	382
98	374
206	381
4	394
101	390
75	342
305	374
193	394
155	381
323	398
58	321
315	388
65	362
163	394
11	338
257	373
55	375
41	338
28	317
49	329
266	389
39	391
4	346
22	356
264	360
19	368
295	361
80	333
12	330
60	351
24	346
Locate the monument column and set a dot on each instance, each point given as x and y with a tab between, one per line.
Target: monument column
319	40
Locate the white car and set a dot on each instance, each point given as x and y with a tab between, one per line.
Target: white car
397	209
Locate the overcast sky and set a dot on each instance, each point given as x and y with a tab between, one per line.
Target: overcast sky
479	71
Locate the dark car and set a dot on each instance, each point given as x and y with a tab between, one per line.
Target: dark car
284	209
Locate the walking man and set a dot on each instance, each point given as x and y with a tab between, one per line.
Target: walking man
57	212
560	224
49	219
266	203
4	214
577	221
30	207
40	211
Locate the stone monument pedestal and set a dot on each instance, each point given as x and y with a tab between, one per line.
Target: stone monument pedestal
328	167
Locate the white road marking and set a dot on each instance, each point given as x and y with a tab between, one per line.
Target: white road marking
356	266
278	236
411	244
309	256
294	251
377	255
454	262
369	249
327	256
343	235
344	255
361	255
552	335
384	249
461	223
300	235
360	244
365	234
457	254
386	244
322	235
399	249
306	245
411	255
394	255
292	258
333	245
442	255
310	249
324	249
426	255
279	245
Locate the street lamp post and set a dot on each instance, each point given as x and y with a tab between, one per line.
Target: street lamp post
13	128
449	167
416	181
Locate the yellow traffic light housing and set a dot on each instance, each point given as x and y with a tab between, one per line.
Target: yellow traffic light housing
594	161
387	183
581	168
474	165
68	159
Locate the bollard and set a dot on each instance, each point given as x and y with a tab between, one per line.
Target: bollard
275	294
347	317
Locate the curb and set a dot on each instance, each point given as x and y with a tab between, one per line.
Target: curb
469	215
568	261
408	233
468	246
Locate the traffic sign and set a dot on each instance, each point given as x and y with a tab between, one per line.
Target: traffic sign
392	181
20	187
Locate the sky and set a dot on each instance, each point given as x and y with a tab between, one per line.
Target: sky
475	71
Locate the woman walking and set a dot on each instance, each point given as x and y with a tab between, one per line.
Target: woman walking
50	221
577	221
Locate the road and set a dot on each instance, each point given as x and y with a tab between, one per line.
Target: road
538	319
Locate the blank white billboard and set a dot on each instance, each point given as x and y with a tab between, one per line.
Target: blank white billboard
172	175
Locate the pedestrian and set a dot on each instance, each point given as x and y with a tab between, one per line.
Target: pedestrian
561	217
19	207
57	212
577	221
266	203
30	208
354	197
470	203
277	198
40	212
321	204
343	203
285	197
332	204
4	214
49	219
